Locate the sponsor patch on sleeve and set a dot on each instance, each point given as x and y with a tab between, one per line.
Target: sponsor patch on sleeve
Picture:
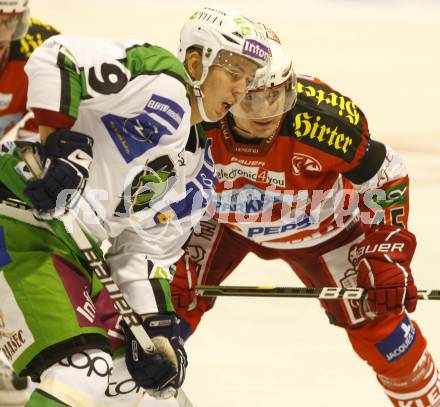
399	341
327	135
135	135
166	109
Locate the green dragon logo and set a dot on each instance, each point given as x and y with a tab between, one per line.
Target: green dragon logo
148	186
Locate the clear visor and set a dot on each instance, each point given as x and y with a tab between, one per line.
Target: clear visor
267	102
238	67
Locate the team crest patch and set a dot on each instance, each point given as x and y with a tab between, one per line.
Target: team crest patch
304	162
198	194
148	186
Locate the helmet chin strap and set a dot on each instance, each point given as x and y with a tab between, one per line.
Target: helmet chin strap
198	93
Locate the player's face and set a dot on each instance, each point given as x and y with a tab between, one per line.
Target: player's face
226	84
8	25
264	107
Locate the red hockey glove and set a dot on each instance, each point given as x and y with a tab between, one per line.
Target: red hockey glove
383	264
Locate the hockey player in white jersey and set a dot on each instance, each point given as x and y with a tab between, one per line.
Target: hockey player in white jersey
117	151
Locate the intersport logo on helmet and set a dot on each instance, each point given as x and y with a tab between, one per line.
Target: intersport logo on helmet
255	50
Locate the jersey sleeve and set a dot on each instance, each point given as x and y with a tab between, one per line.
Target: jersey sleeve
384	197
143	263
337	129
55	81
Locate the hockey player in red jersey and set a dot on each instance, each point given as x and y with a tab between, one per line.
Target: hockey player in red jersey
19	36
300	179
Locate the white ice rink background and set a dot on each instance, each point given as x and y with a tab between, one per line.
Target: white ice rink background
384	54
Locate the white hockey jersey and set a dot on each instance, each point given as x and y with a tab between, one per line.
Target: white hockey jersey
148	182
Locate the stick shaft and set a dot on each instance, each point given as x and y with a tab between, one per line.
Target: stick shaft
99	267
324	293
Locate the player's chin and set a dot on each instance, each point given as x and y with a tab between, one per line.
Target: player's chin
264	129
264	123
217	115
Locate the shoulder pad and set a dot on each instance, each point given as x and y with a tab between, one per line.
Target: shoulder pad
38	32
325	119
154	60
322	97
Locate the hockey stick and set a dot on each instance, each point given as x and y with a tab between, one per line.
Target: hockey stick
324	293
101	270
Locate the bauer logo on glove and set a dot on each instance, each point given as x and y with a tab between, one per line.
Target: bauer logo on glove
382	261
356	252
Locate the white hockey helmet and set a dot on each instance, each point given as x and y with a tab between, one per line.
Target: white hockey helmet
17	9
274	92
213	30
13	6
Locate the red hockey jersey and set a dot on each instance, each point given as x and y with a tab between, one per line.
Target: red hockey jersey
13	80
287	191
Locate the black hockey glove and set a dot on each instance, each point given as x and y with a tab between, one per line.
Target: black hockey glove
163	372
66	157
